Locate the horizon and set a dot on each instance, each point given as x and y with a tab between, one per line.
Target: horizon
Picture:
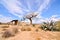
17	9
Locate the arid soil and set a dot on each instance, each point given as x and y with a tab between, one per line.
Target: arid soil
31	33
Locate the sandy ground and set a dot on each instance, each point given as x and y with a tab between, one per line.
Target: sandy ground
33	35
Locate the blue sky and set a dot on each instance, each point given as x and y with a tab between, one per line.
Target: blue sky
16	9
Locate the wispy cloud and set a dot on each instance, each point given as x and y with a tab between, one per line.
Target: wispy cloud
54	17
28	5
5	19
43	6
16	8
13	7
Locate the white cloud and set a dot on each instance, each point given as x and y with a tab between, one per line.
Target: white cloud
39	21
13	7
43	6
54	17
5	19
29	6
17	8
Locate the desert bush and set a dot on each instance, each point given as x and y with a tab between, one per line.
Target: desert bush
37	30
48	26
54	26
33	25
7	34
44	27
15	30
10	32
25	29
57	25
28	29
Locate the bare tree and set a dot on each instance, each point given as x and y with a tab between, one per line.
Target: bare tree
30	16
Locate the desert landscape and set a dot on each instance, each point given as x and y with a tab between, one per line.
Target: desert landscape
29	19
24	31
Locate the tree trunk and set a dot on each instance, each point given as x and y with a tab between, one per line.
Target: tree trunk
30	21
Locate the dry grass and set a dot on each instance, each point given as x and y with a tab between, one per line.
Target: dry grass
25	29
28	29
15	30
28	32
10	32
7	34
37	30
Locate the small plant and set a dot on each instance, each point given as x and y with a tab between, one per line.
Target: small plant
15	30
10	32
28	29
57	25
23	29
33	25
7	34
37	30
44	27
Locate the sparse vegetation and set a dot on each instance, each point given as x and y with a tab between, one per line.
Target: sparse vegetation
33	25
57	25
51	26
15	30
47	26
35	28
10	32
7	34
25	29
